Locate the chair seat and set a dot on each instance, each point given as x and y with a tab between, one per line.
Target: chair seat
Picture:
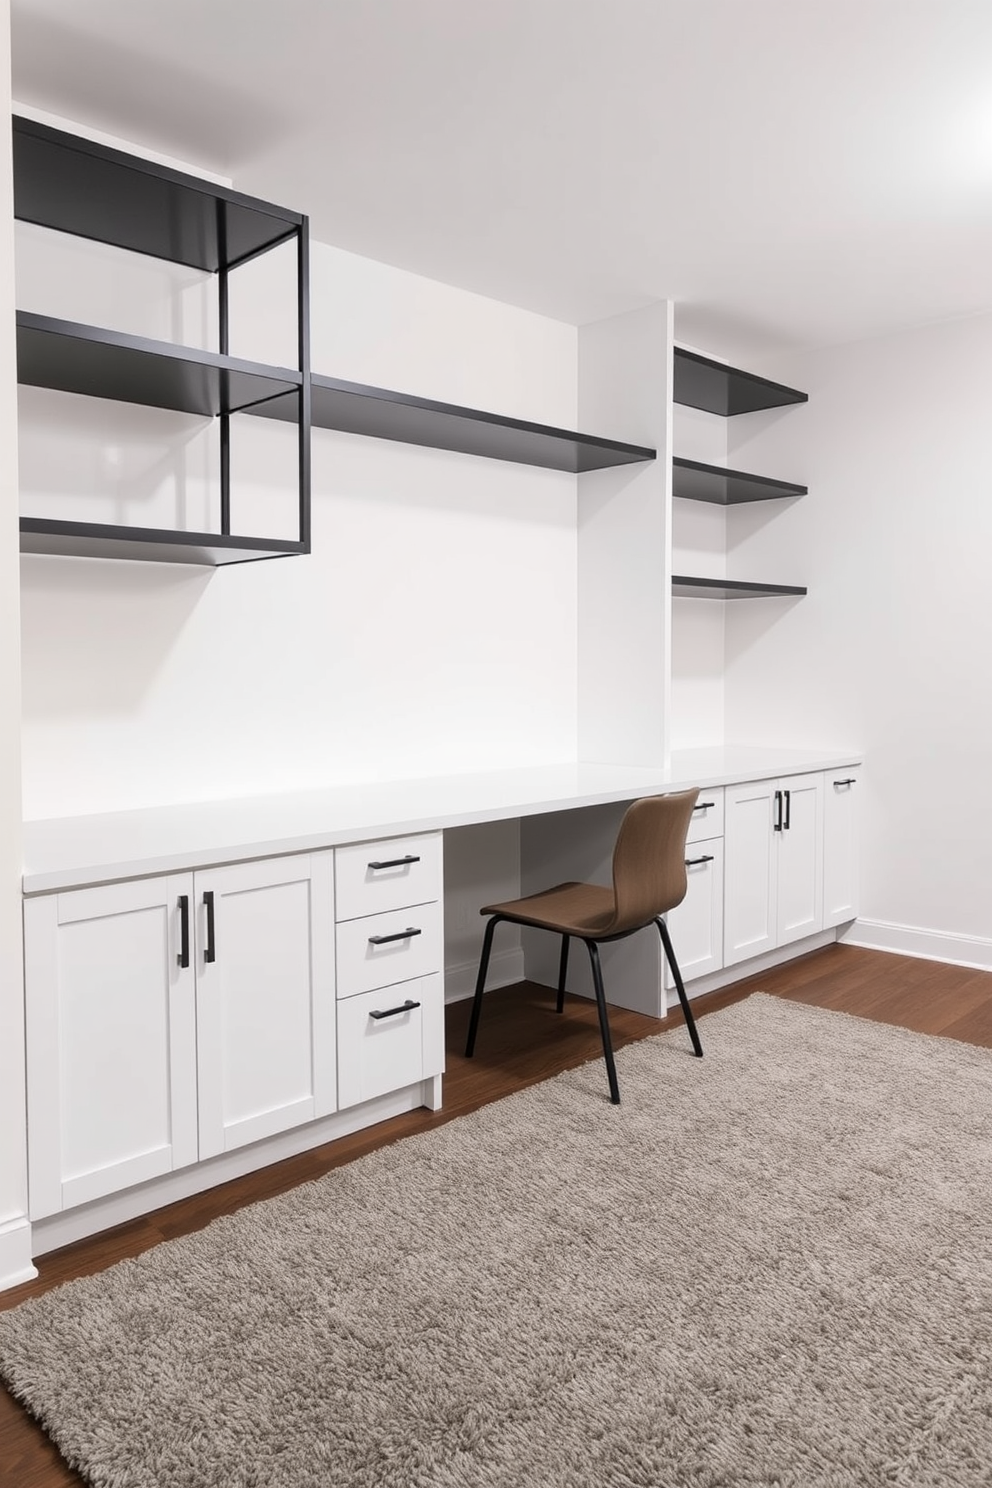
580	909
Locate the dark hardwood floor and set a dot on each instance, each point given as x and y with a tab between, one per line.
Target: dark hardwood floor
521	1041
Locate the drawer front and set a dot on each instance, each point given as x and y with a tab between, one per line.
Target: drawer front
377	951
380	1054
372	877
707	817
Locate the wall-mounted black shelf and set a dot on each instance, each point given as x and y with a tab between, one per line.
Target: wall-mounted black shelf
148	544
101	363
692	588
694	481
715	387
93	191
89	190
355	408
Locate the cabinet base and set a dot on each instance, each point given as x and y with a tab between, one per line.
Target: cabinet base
102	1214
15	1253
757	964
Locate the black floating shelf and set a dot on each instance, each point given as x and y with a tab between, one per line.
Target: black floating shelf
148	544
695	481
354	408
716	388
689	588
131	369
92	191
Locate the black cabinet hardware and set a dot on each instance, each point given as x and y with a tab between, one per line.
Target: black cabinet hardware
704	806
849	781
777	825
210	949
406	934
406	1007
694	862
788	810
184	930
395	862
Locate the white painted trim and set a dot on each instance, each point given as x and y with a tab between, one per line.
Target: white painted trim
755	966
929	945
505	968
102	1214
15	1253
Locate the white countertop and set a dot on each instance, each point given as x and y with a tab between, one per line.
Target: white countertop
70	852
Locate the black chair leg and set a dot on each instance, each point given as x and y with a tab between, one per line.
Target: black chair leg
480	985
562	973
604	1023
690	1021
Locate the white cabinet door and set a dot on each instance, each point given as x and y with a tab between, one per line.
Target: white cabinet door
840	847
111	1039
799	900
696	925
750	870
266	1056
389	1038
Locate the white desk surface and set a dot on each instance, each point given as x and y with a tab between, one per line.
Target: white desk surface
71	852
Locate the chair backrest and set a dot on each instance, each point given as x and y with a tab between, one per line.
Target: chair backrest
649	859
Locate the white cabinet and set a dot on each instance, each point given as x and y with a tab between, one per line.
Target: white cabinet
773	864
390	956
170	1019
696	925
840	847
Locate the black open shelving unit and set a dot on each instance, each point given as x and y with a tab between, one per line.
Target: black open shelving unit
89	190
694	481
355	408
684	587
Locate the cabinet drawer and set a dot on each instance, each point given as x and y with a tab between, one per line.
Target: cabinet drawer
373	877
707	816
377	951
379	1054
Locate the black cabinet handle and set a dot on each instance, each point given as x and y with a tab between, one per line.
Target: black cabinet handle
692	862
406	934
849	781
396	862
407	1007
183	930
777	824
209	950
704	806
788	810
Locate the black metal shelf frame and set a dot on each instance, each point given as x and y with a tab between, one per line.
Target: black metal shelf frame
89	190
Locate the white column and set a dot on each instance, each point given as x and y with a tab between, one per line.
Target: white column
624	541
15	1231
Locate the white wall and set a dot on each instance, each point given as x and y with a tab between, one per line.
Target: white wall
15	1252
891	649
436	612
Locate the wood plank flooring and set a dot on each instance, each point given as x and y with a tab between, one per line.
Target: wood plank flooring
521	1041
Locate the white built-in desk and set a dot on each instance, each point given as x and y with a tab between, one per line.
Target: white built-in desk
215	986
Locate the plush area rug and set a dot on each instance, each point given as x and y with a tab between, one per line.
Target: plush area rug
769	1268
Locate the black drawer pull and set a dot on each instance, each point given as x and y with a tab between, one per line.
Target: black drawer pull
210	949
693	862
704	806
777	823
396	862
788	811
184	930
407	1007
849	781
406	934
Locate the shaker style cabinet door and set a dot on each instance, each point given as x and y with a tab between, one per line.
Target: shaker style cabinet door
266	1057
840	847
696	925
773	866
111	1039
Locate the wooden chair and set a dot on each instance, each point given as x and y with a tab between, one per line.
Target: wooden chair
649	879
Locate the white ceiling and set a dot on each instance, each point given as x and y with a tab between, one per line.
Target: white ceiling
790	172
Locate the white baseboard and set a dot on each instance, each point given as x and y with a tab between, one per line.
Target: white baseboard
15	1253
929	945
505	968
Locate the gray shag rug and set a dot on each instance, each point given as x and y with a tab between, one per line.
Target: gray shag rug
771	1266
